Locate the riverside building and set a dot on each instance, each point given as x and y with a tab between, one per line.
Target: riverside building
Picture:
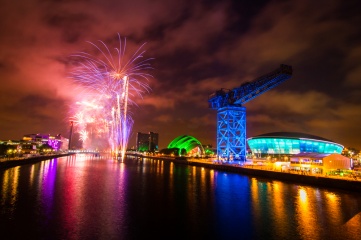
297	151
147	142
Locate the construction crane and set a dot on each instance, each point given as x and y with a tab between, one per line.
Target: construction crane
231	115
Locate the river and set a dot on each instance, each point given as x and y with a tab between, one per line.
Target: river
87	197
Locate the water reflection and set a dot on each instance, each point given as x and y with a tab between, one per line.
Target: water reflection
306	214
333	208
280	210
45	189
97	198
9	189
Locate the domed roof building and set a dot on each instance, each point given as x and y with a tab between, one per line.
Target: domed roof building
191	145
291	143
184	145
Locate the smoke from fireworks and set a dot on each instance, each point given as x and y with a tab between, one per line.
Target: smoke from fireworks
108	83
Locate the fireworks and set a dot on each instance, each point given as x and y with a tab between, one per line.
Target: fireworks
108	83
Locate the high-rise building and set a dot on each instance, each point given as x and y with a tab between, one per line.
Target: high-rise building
147	142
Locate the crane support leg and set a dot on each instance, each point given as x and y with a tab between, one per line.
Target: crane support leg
231	133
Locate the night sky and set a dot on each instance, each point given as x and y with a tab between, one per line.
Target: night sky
197	47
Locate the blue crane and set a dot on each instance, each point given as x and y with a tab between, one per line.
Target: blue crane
231	115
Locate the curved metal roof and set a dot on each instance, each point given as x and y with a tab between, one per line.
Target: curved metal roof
187	142
292	135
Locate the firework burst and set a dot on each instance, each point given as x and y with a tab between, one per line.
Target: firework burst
108	81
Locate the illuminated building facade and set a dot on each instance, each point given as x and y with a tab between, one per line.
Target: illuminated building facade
147	142
291	143
320	162
298	152
33	144
185	145
55	142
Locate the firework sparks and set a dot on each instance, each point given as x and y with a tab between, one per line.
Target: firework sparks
108	82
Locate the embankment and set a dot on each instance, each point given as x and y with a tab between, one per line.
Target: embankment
18	162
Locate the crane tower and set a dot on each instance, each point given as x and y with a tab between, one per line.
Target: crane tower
231	115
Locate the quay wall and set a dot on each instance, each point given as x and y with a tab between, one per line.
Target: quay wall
23	161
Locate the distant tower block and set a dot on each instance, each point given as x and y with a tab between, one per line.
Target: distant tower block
231	115
147	142
231	133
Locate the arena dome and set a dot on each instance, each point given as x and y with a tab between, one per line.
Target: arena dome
191	145
291	143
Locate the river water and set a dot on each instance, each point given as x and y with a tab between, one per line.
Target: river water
86	197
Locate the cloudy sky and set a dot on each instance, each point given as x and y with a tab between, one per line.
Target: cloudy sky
197	47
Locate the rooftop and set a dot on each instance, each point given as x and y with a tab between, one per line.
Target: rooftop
292	135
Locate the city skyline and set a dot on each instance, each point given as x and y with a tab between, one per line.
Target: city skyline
197	48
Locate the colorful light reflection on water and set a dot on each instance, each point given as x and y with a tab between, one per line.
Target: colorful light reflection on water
83	197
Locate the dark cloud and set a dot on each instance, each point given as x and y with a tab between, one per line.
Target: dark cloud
69	24
198	47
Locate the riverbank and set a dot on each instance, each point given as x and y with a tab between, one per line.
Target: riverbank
328	182
22	161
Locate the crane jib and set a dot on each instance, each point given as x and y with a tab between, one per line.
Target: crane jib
249	90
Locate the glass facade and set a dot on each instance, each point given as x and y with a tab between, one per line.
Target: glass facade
278	145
